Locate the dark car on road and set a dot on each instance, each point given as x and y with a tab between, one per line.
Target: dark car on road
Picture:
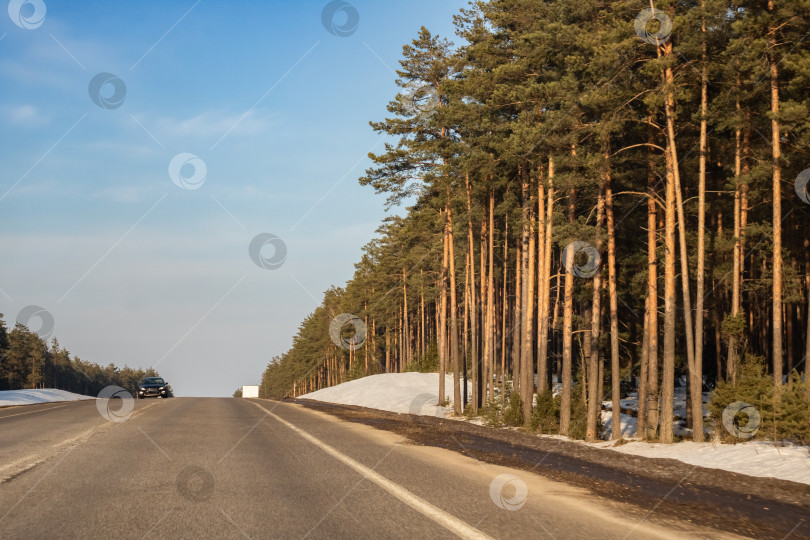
154	387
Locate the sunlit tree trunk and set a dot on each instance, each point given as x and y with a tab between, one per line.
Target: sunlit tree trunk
504	303
453	313
527	367
648	403
543	281
374	343
591	339
422	312
568	312
491	299
387	350
641	426
696	373
465	332
776	156
541	259
668	367
407	342
483	312
668	79
736	278
614	309
543	360
443	313
517	319
365	341
474	359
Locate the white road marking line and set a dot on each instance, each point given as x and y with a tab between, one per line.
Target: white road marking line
20	466
29	462
446	520
32	412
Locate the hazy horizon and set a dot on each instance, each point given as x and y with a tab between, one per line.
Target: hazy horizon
136	270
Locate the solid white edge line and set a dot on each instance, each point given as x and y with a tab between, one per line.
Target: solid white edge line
446	520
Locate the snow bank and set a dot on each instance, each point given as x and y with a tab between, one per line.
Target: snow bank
417	393
750	458
43	395
414	393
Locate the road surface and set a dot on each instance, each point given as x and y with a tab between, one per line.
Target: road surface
234	468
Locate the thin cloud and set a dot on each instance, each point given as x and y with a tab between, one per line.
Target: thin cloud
212	124
25	116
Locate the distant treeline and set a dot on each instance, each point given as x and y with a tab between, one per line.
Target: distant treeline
28	361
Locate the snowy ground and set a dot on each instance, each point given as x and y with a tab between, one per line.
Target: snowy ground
630	422
43	395
417	393
414	393
751	458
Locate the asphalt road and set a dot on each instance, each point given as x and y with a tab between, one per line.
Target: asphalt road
230	468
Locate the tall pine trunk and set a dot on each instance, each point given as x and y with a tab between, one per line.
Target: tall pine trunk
453	312
696	373
504	303
568	312
387	350
474	360
527	364
545	286
482	366
668	367
807	336
443	313
594	398
407	342
776	156
491	300
650	398
422	312
736	277
614	308
465	331
517	318
541	270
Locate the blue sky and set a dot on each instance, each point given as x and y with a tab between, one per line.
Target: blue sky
135	269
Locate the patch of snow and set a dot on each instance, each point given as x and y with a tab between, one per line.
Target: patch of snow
42	395
750	458
629	424
414	393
